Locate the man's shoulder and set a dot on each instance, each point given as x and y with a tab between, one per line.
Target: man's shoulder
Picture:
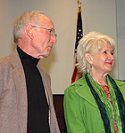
9	61
4	60
7	58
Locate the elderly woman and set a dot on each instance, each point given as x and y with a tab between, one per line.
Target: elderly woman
96	102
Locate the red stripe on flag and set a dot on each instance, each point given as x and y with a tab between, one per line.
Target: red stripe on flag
79	33
74	75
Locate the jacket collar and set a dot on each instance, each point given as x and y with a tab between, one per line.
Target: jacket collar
84	91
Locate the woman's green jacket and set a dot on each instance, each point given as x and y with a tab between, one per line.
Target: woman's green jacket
81	112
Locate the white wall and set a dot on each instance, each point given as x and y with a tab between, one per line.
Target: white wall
97	15
120	10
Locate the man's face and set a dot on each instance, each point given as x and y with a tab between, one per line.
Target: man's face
43	38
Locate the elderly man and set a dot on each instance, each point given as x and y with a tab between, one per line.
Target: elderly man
26	104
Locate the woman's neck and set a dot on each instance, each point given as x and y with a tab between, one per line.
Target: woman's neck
99	78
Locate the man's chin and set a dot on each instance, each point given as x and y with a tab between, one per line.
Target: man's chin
43	56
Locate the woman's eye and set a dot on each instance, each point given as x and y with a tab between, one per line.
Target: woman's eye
108	52
105	52
112	53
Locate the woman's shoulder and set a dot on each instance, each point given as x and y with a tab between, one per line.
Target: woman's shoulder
121	86
73	87
120	82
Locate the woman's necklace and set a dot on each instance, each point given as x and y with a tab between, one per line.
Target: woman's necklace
105	88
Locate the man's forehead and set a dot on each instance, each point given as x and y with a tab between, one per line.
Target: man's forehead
45	20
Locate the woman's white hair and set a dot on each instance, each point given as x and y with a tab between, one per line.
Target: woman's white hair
91	43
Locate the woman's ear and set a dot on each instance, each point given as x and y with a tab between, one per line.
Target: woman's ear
89	58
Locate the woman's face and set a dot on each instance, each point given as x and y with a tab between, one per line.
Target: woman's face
103	60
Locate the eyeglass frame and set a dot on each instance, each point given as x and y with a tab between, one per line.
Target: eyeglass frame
51	31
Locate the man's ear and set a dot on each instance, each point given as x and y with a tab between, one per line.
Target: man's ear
89	58
29	31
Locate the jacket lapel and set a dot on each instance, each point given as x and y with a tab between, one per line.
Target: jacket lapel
21	90
84	91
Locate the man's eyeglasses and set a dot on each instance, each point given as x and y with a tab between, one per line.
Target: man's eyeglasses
51	31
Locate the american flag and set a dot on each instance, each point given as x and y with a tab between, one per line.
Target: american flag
79	34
